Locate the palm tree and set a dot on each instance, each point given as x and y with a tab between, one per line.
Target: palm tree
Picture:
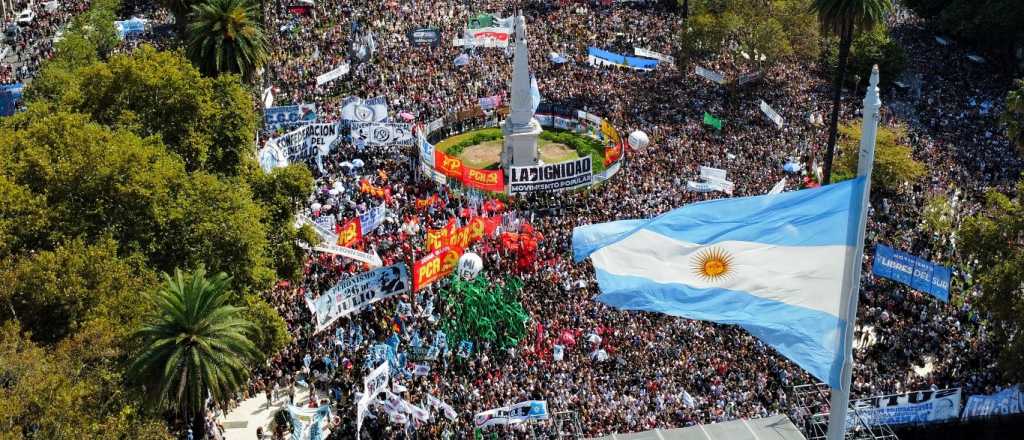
225	37
194	346
844	17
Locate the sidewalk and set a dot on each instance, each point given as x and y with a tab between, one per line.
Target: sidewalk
241	423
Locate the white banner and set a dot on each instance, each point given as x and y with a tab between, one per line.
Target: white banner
654	55
334	74
358	291
309	423
709	186
384	134
711	75
709	173
426	151
485	37
1004	402
510	415
321	137
779	187
354	108
771	114
434	125
449	412
376	381
371	219
371	259
551	177
914	407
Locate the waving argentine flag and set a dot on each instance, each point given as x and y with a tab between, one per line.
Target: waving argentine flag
774	264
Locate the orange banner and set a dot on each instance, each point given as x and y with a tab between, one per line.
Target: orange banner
486	180
434	266
376	191
427	202
450	166
350	233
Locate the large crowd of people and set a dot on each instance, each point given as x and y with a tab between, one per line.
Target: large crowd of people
659	371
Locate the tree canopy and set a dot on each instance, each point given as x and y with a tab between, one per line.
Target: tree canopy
1014	116
992	253
116	171
777	29
894	162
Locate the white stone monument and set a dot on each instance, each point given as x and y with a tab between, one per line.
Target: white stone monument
521	128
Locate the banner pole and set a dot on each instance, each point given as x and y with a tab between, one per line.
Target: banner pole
840	401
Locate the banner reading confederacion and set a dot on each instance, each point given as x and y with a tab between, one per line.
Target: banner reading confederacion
551	177
918	273
360	290
913	407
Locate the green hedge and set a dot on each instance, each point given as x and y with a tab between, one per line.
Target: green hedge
479	137
582	144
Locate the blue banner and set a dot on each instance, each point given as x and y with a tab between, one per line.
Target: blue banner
918	273
10	95
289	115
1006	401
372	218
603	57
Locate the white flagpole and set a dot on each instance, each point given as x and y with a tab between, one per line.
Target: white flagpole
841	397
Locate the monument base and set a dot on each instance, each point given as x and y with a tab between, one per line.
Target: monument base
520	145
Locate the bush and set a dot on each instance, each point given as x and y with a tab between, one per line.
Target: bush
478	137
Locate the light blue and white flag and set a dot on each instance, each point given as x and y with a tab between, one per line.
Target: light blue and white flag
534	93
775	265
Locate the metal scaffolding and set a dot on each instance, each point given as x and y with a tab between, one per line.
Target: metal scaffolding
811	415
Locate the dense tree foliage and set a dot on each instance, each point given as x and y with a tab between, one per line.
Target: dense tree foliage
777	29
870	48
992	252
209	123
121	168
894	163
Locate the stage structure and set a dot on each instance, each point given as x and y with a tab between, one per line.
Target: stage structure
521	129
812	415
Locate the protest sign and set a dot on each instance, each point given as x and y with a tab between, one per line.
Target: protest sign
358	291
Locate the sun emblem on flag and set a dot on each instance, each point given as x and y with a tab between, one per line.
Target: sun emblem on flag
712	264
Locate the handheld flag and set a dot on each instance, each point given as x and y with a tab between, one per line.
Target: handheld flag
774	264
712	121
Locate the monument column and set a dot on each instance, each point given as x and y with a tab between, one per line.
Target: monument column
521	129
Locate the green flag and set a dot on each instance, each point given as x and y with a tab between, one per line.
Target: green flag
481	21
712	121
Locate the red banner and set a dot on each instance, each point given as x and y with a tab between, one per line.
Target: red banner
487	180
350	233
450	166
434	266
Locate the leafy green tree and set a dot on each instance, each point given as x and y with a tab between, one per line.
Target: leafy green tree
96	25
776	30
894	162
69	391
992	253
54	294
938	215
208	122
225	37
1013	118
870	48
197	344
844	18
